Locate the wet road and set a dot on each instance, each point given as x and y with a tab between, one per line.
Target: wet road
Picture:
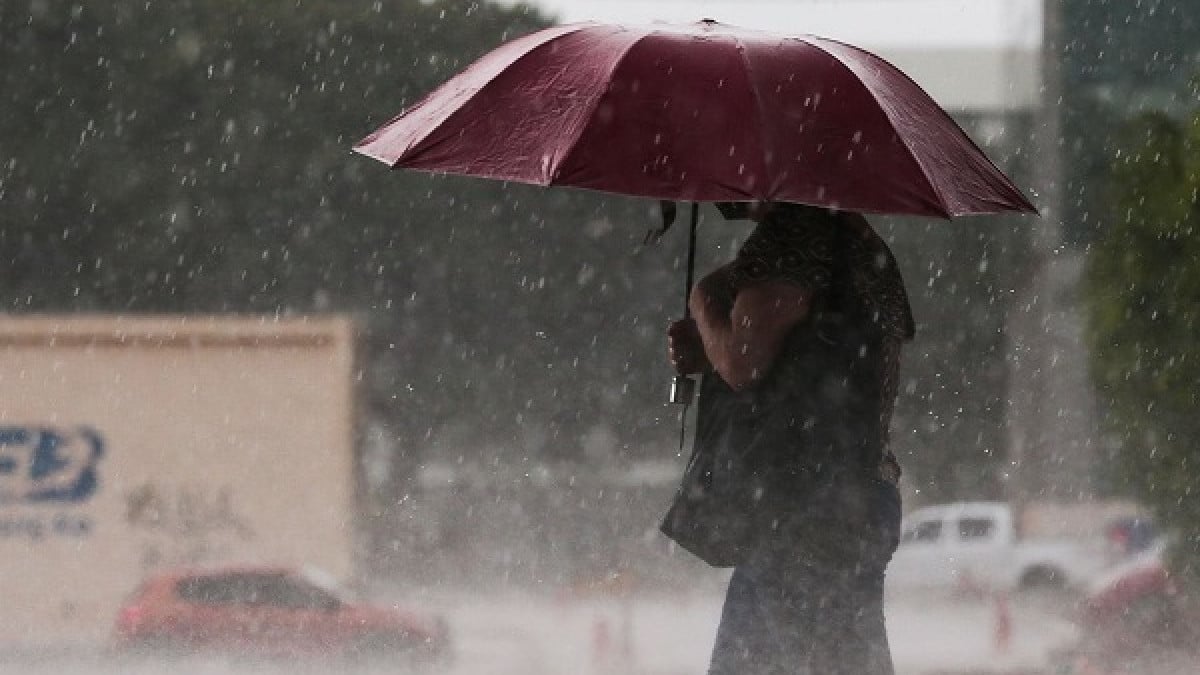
606	636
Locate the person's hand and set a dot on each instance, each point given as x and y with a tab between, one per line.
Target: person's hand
685	349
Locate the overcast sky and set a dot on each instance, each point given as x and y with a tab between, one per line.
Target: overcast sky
879	23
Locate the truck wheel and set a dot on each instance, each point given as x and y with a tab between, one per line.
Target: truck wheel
1043	578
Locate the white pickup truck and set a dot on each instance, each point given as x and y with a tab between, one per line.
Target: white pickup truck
975	546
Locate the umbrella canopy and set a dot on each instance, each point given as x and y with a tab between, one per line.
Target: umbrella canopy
703	112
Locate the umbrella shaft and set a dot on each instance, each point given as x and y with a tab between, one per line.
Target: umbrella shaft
683	388
691	260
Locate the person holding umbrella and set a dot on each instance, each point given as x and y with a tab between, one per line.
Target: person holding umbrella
790	481
799	341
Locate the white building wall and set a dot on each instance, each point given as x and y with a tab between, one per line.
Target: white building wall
134	444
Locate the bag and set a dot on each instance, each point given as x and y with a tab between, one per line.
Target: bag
754	461
708	516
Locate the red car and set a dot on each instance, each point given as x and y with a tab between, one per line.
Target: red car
1131	613
272	612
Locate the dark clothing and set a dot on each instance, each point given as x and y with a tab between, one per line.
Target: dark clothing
853	276
819	419
818	614
798	490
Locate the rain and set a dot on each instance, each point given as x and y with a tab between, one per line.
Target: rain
277	408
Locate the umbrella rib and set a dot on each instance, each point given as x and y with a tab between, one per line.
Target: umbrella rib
591	109
536	41
756	95
1007	184
941	200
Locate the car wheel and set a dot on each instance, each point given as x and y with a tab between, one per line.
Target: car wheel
157	647
377	648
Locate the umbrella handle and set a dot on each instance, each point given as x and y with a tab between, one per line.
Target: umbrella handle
683	388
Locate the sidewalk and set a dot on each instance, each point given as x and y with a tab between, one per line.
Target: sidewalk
980	636
643	635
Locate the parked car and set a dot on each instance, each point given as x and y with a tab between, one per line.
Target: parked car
1132	605
976	546
1132	619
272	612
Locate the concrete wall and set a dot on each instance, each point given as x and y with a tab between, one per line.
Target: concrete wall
973	80
133	444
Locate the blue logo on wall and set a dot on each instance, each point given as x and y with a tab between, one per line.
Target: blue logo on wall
43	464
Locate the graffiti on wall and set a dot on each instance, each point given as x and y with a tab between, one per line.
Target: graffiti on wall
185	524
55	470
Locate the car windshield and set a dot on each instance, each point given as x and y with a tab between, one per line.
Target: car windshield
255	588
294	593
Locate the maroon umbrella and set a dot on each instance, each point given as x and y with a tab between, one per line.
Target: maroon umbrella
703	112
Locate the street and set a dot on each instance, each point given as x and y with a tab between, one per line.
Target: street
645	635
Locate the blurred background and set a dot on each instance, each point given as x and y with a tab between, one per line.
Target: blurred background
228	340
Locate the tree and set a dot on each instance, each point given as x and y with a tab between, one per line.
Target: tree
1109	70
194	156
1143	294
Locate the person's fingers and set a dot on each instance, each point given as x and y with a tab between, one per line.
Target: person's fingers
684	348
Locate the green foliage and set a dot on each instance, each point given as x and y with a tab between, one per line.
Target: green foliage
1117	57
199	142
1143	294
194	156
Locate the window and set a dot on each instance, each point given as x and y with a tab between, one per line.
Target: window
283	591
222	589
274	589
975	528
926	531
